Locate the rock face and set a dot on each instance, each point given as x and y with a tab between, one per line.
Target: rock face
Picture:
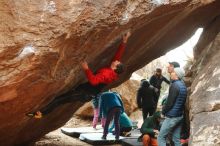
204	100
42	43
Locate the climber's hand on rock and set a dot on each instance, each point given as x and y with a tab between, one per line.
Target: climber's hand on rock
126	36
84	65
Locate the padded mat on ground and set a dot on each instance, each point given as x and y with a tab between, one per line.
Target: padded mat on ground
135	133
75	132
131	142
95	139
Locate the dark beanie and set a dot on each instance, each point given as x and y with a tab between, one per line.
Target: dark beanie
175	64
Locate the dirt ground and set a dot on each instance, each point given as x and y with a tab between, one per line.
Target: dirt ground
57	138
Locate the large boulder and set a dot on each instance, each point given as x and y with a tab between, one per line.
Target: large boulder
42	43
204	100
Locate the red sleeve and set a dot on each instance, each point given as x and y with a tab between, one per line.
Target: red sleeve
119	52
94	79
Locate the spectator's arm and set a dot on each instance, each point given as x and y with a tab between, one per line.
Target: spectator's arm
139	101
155	94
166	80
173	93
152	80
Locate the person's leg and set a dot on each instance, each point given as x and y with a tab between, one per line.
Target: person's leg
185	126
151	111
68	97
108	120
103	121
117	112
95	117
156	101
153	142
55	103
176	134
82	93
164	130
144	113
167	127
146	140
90	89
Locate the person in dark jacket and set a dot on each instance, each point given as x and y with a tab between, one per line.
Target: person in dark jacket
173	109
146	98
96	82
156	80
150	129
111	106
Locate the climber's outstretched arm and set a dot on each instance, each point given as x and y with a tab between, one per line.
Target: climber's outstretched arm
121	49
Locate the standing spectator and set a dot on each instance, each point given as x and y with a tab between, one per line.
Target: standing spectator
171	66
156	81
173	109
111	106
146	99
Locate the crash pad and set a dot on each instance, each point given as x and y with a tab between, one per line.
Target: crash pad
95	139
75	132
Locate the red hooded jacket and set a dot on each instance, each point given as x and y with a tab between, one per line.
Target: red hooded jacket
105	75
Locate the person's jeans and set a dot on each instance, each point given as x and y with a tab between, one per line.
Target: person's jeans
173	126
95	117
113	113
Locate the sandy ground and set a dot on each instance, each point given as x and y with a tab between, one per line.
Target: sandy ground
57	138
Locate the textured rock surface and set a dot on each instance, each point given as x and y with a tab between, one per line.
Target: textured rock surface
204	101
42	43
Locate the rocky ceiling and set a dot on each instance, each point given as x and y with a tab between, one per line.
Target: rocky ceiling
42	43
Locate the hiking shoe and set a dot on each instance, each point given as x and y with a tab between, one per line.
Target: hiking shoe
126	134
94	127
103	137
139	139
116	138
36	115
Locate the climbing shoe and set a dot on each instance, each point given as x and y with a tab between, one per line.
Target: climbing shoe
36	115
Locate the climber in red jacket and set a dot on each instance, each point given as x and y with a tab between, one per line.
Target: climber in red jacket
96	82
108	74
